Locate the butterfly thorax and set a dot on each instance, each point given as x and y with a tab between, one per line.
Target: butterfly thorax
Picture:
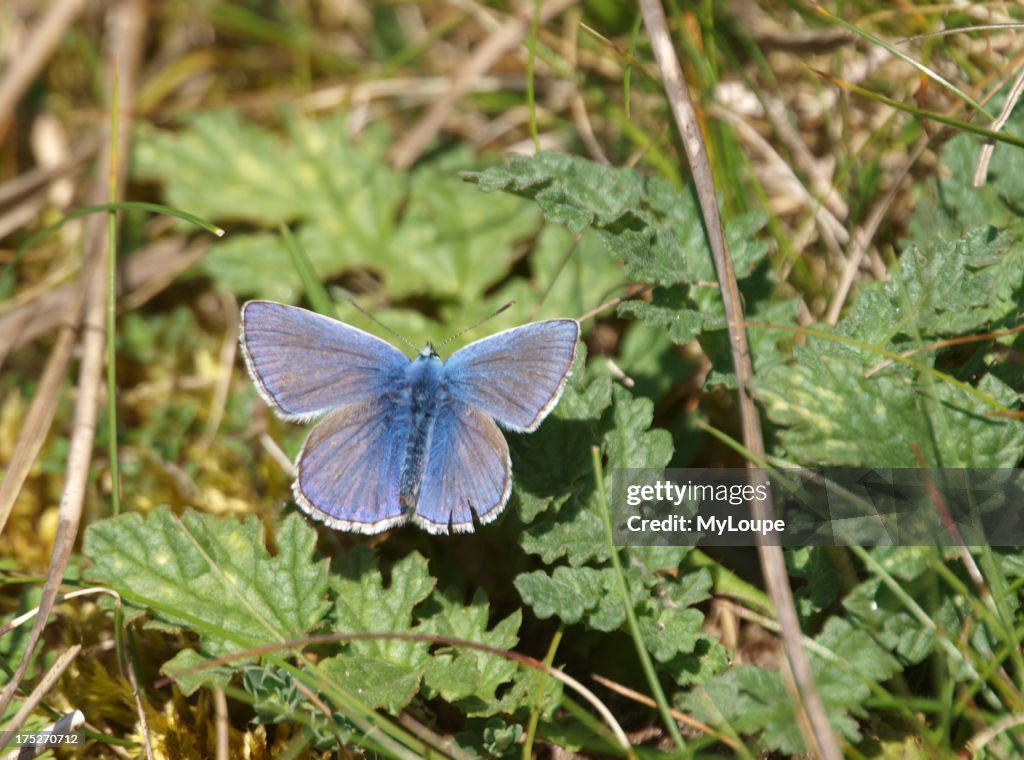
424	396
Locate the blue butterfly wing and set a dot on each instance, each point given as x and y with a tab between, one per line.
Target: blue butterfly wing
516	376
348	473
467	471
305	364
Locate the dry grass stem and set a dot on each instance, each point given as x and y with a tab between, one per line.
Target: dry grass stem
24	65
409	147
805	698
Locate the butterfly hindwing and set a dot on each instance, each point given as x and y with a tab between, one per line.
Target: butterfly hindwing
516	376
349	470
305	364
467	470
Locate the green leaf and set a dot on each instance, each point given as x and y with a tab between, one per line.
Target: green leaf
651	360
576	530
277	699
875	608
424	234
951	203
822	581
221	168
753	700
630	441
553	464
919	301
189	671
862	659
492	738
566	592
832	414
389	672
212	576
669	624
466	675
451	242
364	604
373	680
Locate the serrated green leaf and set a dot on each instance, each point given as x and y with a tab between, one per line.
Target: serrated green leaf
364	604
464	674
987	268
212	575
652	361
373	680
572	190
550	465
863	659
254	177
452	242
668	631
951	203
822	579
708	659
423	234
189	672
576	530
630	441
754	701
275	696
277	699
832	414
492	738
671	310
641	220
566	592
875	608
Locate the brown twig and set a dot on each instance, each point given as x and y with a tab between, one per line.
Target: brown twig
36	179
412	144
144	274
43	687
220	716
133	682
25	64
682	717
817	730
865	232
39	418
981	171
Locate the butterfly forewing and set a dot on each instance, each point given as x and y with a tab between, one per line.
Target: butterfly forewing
349	470
516	376
305	364
467	471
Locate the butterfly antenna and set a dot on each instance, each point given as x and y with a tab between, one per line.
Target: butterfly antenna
465	330
383	326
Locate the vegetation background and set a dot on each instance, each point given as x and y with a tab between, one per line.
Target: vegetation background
434	159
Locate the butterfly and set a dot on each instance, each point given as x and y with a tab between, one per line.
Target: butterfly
403	439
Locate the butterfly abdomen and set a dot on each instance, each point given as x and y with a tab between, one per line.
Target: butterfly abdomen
424	399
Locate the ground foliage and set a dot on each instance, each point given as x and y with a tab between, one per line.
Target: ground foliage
210	559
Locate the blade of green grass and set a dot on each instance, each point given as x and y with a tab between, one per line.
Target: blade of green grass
966	126
156	208
634	625
315	290
892	49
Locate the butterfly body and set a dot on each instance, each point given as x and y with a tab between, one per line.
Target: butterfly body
425	398
403	440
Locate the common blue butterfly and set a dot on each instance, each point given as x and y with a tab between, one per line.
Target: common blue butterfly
403	439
